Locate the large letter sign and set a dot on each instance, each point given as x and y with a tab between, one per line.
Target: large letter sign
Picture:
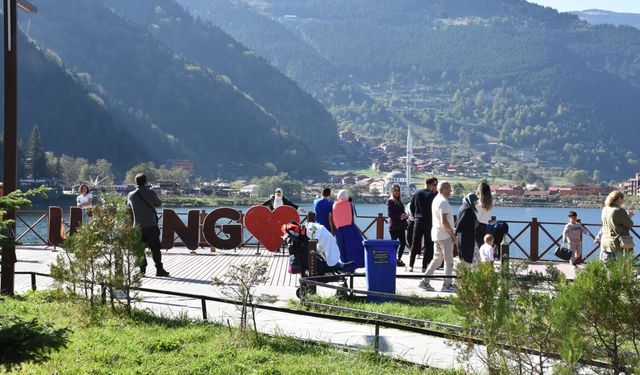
172	225
233	231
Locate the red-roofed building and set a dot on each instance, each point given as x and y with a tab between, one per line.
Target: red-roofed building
507	190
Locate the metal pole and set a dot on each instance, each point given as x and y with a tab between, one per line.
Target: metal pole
376	340
204	309
10	138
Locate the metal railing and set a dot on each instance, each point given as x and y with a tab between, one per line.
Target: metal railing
533	240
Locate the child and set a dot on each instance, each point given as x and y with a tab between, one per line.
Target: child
486	250
572	235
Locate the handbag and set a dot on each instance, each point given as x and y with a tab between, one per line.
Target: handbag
563	252
625	241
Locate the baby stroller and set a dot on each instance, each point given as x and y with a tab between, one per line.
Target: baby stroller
297	242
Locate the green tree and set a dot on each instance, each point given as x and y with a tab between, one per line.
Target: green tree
100	170
149	169
35	162
70	168
579	177
106	252
458	188
11	202
267	185
602	305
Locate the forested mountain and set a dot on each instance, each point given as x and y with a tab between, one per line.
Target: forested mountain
509	70
213	122
204	44
71	119
599	16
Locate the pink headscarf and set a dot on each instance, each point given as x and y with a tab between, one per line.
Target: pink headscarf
342	210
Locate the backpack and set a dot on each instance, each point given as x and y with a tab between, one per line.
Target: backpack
498	229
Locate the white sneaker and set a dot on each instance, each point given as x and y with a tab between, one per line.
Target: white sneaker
425	285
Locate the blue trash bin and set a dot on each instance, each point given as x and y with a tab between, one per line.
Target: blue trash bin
380	267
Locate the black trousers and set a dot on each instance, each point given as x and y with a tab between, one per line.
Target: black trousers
401	236
421	230
409	233
151	237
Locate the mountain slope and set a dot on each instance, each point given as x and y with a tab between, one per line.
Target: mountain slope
209	46
216	124
72	120
527	75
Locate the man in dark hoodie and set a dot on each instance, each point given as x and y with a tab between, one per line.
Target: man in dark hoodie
143	202
421	211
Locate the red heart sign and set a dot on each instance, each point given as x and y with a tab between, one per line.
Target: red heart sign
265	225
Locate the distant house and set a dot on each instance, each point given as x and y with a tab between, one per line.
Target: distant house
378	187
249	190
507	190
537	194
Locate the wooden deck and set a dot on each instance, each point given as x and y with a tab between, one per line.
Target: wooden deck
203	266
194	272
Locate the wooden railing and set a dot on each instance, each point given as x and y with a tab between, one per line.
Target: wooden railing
533	240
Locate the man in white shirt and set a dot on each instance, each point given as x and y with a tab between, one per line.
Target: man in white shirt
443	237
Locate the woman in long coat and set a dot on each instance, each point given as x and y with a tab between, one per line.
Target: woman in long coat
348	235
466	224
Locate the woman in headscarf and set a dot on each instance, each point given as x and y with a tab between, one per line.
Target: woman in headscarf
397	221
348	235
466	224
277	200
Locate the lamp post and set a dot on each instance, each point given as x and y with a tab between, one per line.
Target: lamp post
10	175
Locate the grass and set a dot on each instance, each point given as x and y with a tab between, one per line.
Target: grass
102	342
439	313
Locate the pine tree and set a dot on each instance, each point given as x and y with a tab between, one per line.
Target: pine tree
35	163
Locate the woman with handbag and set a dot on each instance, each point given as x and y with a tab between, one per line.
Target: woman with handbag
616	226
84	200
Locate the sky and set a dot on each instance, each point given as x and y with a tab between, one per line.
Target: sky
625	6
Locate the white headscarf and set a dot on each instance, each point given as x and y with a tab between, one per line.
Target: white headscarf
277	200
343	195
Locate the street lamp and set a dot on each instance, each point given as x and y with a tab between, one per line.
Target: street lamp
10	166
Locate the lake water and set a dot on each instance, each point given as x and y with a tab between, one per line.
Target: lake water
552	220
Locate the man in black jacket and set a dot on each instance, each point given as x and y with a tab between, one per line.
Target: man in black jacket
143	202
421	211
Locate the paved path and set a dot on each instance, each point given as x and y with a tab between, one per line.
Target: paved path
192	274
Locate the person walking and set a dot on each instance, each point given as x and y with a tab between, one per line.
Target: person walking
616	222
397	221
484	206
572	235
443	236
85	201
143	202
466	225
348	235
420	208
324	210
